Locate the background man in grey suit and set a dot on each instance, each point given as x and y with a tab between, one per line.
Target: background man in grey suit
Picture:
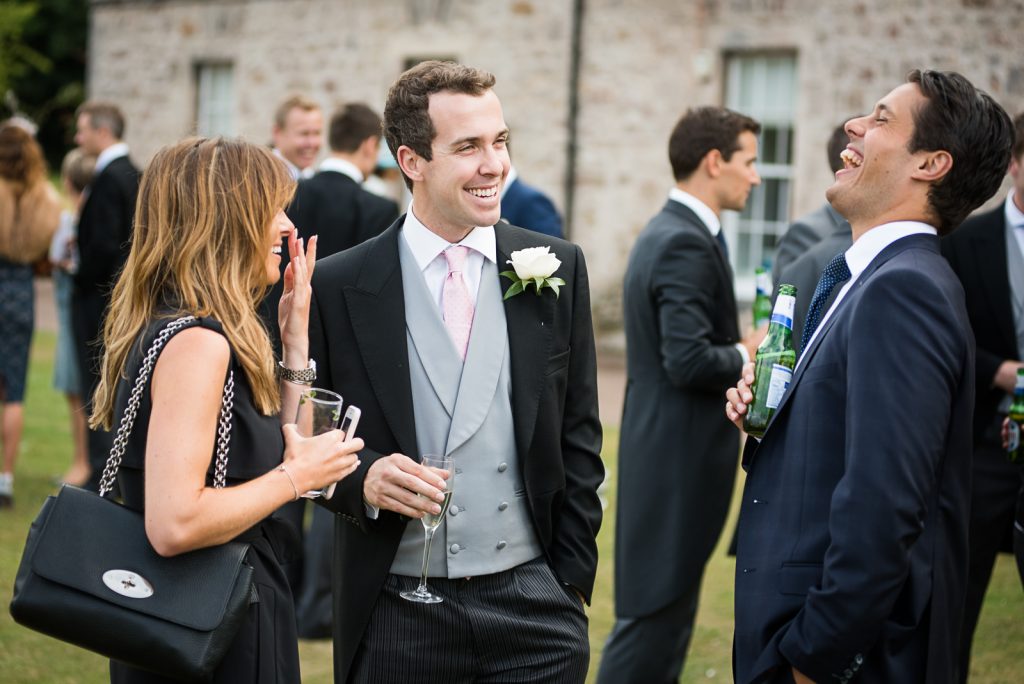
811	229
411	327
677	453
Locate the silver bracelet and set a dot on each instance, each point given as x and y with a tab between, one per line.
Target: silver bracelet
290	480
306	376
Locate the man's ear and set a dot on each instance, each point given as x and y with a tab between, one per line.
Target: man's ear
712	163
933	166
410	163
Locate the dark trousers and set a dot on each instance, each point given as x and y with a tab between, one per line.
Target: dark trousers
520	625
87	311
650	649
314	606
995	487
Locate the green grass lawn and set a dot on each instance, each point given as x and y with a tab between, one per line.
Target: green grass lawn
27	657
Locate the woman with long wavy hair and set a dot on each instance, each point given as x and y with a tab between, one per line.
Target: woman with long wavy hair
29	214
209	229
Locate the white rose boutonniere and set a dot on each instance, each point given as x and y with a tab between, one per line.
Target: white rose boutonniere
532	266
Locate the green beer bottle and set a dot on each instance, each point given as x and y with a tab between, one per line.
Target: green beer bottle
1014	450
774	364
763	297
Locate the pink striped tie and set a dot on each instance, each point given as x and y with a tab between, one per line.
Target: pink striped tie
456	303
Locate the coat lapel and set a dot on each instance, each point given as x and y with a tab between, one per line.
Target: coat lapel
528	319
687	215
376	308
990	261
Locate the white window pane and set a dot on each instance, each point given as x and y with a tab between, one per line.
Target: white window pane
215	99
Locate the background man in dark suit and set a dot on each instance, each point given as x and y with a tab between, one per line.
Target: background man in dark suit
411	327
852	557
526	206
809	230
677	453
104	236
333	206
987	253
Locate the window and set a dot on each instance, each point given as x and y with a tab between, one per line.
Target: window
762	86
215	99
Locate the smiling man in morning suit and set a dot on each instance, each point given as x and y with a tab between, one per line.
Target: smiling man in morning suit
411	327
852	557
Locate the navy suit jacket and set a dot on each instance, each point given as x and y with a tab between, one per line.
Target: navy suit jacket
852	555
526	206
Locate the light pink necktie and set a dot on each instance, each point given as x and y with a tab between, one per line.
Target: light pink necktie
455	300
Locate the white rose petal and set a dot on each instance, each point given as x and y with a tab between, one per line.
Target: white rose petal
534	262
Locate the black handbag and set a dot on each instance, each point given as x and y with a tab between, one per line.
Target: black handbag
89	575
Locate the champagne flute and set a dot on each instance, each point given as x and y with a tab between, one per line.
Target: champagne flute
319	412
430	523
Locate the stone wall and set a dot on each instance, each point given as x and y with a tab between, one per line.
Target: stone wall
643	63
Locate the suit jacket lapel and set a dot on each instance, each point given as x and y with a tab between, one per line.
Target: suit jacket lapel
990	260
687	215
528	319
376	306
808	355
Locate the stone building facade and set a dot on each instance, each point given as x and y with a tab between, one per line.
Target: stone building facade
590	88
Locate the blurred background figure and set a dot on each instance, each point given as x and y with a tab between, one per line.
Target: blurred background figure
527	207
76	173
104	236
298	134
810	243
811	229
987	254
386	179
29	213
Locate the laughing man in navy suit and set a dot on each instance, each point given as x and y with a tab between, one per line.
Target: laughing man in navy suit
852	556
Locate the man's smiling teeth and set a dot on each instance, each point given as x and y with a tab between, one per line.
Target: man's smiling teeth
483	192
850	159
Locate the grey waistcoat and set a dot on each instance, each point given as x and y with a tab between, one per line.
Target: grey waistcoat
465	410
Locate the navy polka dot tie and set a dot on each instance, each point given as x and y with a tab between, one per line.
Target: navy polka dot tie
836	272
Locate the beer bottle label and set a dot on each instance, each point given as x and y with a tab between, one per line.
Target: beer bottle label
1014	438
783	312
781	377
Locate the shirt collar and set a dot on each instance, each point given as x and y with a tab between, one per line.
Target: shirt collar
343	166
294	170
110	154
426	245
1014	216
870	244
703	211
509	180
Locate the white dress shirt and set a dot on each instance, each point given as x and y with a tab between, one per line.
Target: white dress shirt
428	249
863	252
342	166
108	155
1015	218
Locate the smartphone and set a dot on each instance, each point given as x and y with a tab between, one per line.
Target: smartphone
349	423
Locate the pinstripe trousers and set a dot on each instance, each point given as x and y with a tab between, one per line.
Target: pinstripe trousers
520	625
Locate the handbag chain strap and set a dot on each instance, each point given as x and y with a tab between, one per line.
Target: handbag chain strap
128	419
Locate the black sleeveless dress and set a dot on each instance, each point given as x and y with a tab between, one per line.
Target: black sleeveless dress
266	648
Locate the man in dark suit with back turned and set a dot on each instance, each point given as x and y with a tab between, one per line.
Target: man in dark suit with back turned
411	327
104	236
852	556
333	206
987	253
677	453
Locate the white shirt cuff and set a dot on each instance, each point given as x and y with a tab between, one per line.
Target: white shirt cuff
744	354
371	511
